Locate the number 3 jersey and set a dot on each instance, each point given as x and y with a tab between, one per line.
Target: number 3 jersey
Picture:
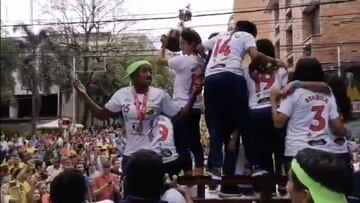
260	86
309	115
228	52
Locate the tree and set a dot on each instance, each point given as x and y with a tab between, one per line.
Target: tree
9	62
90	38
42	64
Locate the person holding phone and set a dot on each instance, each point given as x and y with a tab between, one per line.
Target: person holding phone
106	186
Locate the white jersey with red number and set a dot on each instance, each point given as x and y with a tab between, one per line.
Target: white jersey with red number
168	149
159	102
309	115
228	52
187	69
260	86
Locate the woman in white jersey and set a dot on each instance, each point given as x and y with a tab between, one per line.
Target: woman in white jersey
311	116
226	95
189	69
261	134
140	106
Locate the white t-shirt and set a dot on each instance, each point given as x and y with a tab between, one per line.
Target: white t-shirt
4	146
308	126
260	86
188	69
159	102
168	149
173	196
228	52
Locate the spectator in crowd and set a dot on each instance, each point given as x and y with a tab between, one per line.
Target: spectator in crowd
54	169
69	186
150	186
116	169
107	185
93	172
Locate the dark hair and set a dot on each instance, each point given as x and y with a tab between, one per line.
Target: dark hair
266	47
308	69
106	164
343	101
191	36
246	26
145	175
325	168
214	34
69	186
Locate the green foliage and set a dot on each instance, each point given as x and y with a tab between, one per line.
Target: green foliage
8	64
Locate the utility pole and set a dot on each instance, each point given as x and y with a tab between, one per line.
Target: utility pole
74	93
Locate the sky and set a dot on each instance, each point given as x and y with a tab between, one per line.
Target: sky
16	11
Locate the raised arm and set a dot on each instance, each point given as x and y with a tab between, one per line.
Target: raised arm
257	57
200	49
321	87
162	60
96	110
279	119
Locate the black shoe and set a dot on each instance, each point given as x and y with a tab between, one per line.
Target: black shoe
229	191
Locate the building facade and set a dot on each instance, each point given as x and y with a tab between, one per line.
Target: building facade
327	30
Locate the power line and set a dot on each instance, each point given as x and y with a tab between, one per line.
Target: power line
171	17
154	52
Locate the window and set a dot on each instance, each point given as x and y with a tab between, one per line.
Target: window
290	61
311	21
307	50
4	111
289	40
314	17
287	3
277	49
276	13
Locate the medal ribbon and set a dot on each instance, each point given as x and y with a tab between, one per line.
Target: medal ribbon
140	109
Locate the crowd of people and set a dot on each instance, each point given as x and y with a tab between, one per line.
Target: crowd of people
287	122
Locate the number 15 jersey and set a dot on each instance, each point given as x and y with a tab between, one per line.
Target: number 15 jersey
309	114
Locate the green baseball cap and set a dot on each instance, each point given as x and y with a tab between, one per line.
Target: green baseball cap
134	66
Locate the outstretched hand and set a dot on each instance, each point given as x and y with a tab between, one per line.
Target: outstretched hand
79	87
287	90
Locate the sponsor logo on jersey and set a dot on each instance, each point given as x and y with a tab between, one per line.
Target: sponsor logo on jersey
317	142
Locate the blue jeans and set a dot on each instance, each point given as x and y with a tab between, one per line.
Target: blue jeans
187	140
226	109
262	139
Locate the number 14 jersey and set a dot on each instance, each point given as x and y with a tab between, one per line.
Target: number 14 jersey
228	52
